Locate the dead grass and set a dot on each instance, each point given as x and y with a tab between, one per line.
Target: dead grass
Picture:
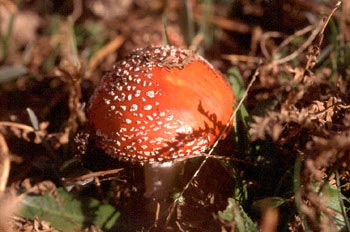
292	143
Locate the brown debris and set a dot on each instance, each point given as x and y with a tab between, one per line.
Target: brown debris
303	88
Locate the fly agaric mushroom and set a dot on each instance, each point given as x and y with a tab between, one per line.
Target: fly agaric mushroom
158	104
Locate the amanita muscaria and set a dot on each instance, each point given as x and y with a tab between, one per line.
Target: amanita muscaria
158	104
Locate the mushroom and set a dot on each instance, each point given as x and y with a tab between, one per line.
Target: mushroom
158	104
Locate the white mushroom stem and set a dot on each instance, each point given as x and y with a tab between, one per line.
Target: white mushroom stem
161	179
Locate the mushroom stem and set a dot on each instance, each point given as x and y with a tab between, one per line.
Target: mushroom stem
161	182
161	179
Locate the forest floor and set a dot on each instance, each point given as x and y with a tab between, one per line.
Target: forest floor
284	167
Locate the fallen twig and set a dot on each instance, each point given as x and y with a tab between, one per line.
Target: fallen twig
5	162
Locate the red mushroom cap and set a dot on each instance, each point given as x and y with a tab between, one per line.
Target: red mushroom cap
158	104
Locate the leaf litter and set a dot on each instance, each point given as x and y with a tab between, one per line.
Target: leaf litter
298	106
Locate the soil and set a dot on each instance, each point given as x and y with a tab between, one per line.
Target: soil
288	61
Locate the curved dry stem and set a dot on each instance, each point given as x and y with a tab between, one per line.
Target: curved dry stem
303	47
264	38
93	174
5	163
17	125
290	38
241	58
